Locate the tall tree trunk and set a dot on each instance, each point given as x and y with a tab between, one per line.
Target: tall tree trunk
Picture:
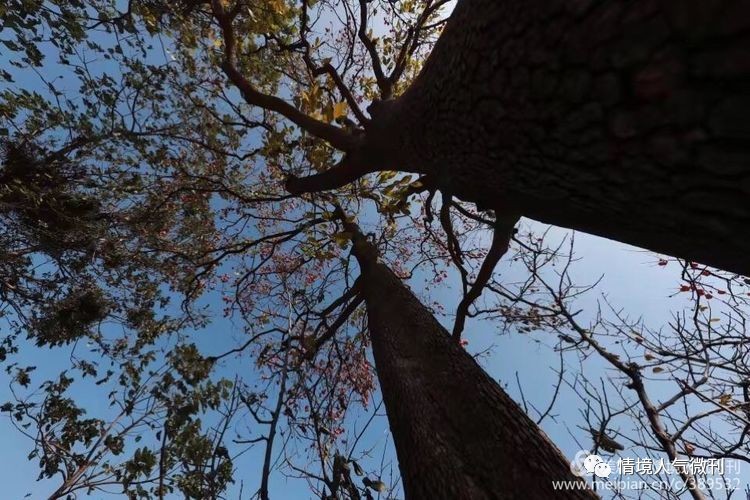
458	435
627	119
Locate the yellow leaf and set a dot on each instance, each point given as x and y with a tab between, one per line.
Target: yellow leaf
386	175
342	239
278	6
725	399
378	486
339	110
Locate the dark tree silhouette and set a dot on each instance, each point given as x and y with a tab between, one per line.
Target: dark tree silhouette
624	119
457	433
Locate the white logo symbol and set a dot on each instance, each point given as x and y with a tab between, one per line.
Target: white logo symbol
602	470
586	464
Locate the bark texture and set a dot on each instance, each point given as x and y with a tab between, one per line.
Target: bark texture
458	435
626	119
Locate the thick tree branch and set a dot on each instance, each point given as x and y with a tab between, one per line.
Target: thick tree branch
343	173
452	243
338	323
504	228
384	83
454	248
337	137
345	297
412	41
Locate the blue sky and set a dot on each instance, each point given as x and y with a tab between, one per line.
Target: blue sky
631	280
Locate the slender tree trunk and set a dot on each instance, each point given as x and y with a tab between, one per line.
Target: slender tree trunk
458	435
627	119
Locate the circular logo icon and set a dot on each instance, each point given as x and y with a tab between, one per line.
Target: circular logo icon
585	463
590	463
576	465
602	470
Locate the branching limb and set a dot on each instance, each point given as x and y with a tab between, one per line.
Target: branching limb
275	417
345	297
454	247
504	229
338	323
337	137
411	43
345	172
327	68
384	83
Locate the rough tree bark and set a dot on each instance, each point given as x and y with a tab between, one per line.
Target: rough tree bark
628	119
458	435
